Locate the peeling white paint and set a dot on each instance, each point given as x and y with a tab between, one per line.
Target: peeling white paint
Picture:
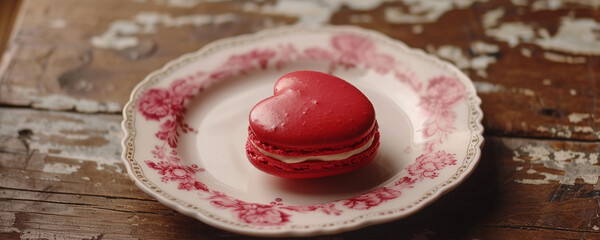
576	165
179	3
578	117
585	129
519	168
120	33
526	92
480	47
311	13
576	36
596	228
424	11
543	33
85	178
531	171
558	130
417	29
116	36
551	5
69	128
62	102
519	2
567	131
60	168
546	5
563	58
555	4
526	52
455	54
50	179
55	101
482	62
363	5
512	33
486	87
573	92
491	18
546	82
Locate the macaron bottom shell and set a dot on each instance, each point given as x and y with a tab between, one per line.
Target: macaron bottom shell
311	169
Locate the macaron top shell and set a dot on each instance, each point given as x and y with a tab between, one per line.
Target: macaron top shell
312	110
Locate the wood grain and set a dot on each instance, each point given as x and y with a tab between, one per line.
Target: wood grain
92	203
63	152
61	176
61	61
533	96
65	216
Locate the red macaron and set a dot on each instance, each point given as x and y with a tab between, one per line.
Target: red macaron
315	125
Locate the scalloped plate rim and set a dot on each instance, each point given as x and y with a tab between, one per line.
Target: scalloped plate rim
315	231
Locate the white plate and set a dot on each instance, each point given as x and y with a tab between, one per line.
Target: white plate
186	125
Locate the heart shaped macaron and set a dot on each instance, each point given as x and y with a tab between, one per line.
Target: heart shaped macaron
314	125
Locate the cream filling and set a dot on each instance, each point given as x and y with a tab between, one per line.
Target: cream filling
330	157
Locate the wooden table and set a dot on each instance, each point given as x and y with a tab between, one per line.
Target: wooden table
72	64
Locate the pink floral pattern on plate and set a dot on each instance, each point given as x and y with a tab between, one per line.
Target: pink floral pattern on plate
167	106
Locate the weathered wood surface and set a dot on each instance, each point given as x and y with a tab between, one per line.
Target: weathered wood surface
57	195
68	73
535	65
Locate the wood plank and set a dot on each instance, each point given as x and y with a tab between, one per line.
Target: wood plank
65	216
541	83
496	196
28	214
61	176
55	64
538	183
521	186
63	152
523	92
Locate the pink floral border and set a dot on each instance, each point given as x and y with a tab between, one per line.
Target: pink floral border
167	107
